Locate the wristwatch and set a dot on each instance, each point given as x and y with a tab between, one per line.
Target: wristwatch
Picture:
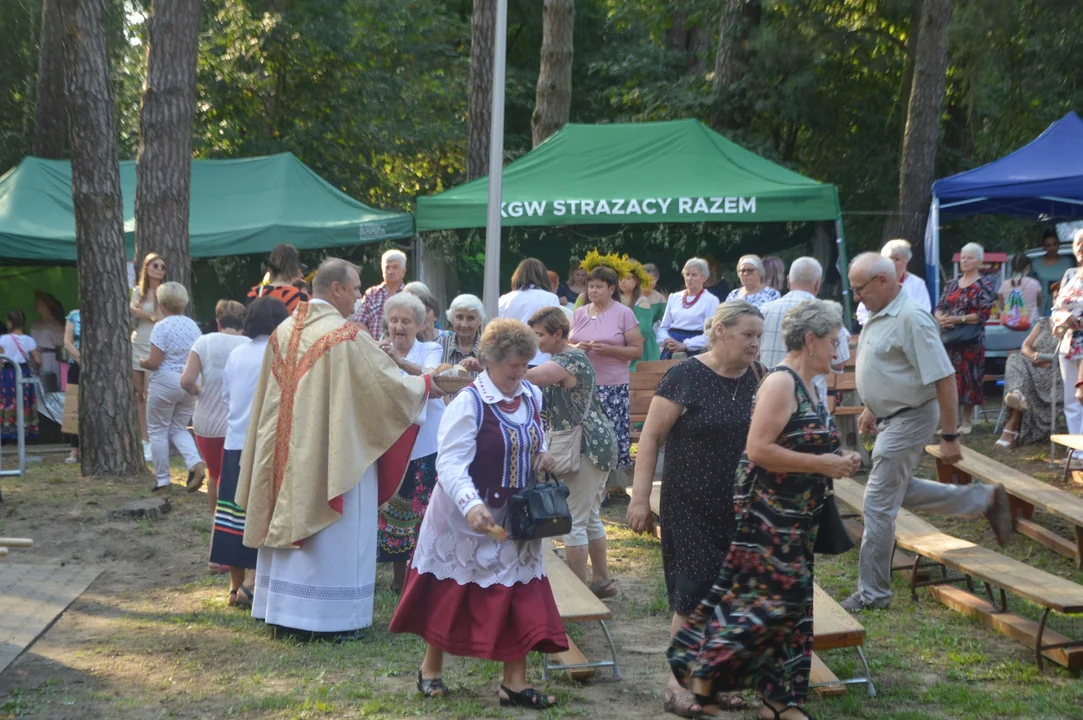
950	437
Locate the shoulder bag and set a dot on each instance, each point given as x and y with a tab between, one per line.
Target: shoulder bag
960	337
539	510
832	538
566	445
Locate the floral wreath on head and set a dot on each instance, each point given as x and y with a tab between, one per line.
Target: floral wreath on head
622	265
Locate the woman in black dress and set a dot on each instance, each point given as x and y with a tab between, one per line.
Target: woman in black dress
754	626
701	412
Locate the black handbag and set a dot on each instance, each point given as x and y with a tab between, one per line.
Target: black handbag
539	510
960	336
833	538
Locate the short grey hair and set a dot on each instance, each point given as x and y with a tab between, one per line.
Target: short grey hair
895	247
332	270
393	255
698	264
173	297
406	301
806	270
754	261
818	317
467	302
873	264
975	249
417	287
727	315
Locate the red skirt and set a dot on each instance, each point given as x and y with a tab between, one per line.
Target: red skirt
498	623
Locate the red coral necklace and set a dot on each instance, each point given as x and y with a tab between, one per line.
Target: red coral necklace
684	300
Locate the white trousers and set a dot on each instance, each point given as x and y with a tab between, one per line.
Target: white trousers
1073	411
585	489
169	411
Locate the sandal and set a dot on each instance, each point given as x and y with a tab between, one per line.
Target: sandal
680	703
530	699
1002	443
242	597
196	476
433	688
730	702
608	589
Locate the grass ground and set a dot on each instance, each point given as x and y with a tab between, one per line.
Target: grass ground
154	638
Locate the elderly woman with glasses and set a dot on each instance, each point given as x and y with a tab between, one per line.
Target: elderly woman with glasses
686	312
899	253
400	519
460	347
169	407
470	591
754	288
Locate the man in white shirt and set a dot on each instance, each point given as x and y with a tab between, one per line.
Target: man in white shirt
804	283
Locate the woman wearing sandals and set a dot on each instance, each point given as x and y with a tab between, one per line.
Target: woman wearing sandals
754	628
239	378
471	591
701	411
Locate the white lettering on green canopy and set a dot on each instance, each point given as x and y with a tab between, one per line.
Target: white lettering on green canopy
622	206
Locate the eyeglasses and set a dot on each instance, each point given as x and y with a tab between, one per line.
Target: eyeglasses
746	271
858	289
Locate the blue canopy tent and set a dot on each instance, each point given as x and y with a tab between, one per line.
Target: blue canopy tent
1042	181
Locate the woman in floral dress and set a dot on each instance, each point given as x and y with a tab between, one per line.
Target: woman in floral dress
968	300
754	628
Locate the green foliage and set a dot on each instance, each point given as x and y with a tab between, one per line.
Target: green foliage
373	94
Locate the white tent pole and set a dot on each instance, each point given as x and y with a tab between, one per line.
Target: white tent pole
932	251
496	163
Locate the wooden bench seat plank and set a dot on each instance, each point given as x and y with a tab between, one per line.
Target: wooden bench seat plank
1072	442
832	626
826	682
914	534
575	601
574	656
1041	495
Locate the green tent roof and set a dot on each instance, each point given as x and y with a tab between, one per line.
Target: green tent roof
676	171
237	207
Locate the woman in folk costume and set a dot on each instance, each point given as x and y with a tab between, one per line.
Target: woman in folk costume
329	405
470	592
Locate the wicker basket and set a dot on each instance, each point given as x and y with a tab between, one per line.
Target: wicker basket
452	384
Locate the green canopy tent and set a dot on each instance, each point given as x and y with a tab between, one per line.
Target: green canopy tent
677	171
238	207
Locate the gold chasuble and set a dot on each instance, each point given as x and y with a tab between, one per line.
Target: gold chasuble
329	403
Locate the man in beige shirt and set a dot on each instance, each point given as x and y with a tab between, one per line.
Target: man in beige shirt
907	384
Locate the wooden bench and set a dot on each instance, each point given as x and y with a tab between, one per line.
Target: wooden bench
1025	493
993	569
576	604
642	384
6	543
833	628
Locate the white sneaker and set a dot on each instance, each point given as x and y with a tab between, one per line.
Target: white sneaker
147	454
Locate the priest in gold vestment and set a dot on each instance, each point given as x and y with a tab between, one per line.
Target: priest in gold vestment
328	405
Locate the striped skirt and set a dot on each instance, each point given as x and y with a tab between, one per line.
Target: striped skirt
226	545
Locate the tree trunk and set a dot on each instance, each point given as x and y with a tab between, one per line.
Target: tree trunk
49	113
109	440
480	105
163	169
737	17
918	164
554	98
689	41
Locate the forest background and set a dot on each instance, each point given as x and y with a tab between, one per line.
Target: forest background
374	95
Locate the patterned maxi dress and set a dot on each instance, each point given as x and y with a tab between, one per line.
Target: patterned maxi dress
969	363
754	628
1036	384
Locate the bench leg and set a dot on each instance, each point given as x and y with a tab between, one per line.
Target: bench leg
1079	547
951	475
612	649
1019	509
869	687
